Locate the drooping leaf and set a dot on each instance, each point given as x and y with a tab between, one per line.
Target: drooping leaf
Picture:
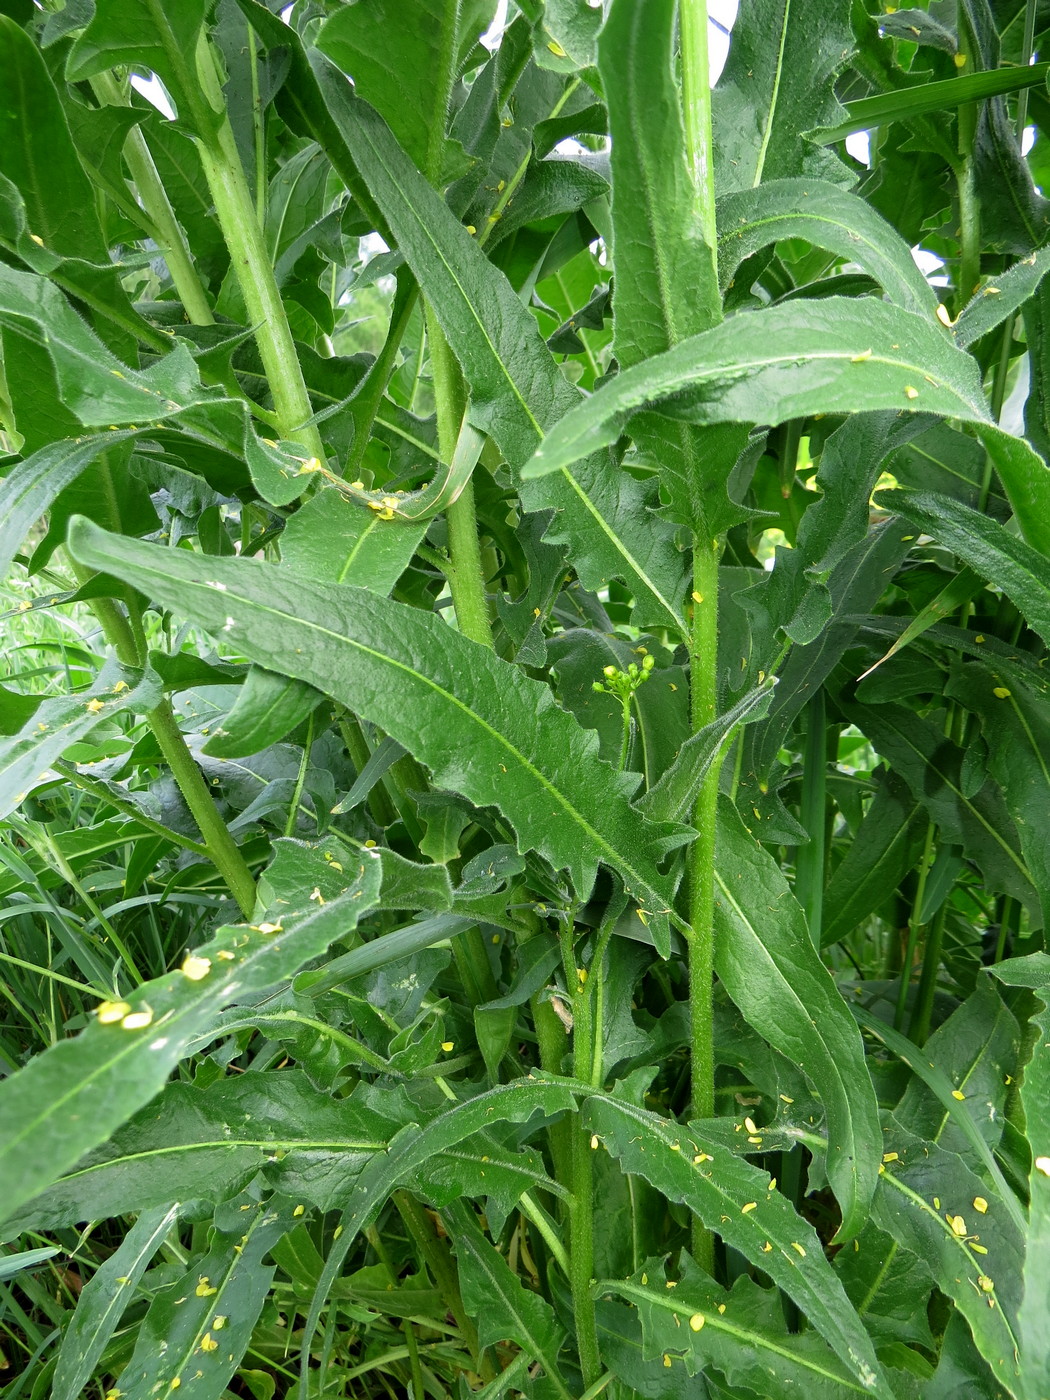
739	1333
766	960
58	722
926	1201
734	1199
112	1069
836	355
1034	972
828	217
502	740
991	551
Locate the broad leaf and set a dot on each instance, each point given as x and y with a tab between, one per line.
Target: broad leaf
766	960
834	356
735	1200
501	740
1001	297
827	217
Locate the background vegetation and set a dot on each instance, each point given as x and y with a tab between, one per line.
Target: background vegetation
524	774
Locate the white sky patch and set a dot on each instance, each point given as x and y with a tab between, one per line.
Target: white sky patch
859	146
721	18
930	265
153	91
1027	139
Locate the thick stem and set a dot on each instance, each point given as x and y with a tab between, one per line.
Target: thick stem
235	210
696	112
155	202
703	641
466	579
701	859
969	202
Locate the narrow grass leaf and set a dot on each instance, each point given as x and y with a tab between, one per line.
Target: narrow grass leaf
75	1095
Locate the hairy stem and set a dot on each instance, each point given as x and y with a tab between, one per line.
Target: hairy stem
581	1211
809	864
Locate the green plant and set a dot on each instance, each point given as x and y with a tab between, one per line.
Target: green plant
522	874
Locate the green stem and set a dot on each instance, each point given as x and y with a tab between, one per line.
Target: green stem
127	809
919	1027
155	201
969	203
223	850
1027	45
466	579
914	926
581	1209
366	403
300	780
701	858
809	865
250	258
696	112
703	641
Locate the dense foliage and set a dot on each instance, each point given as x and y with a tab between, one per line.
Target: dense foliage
525	730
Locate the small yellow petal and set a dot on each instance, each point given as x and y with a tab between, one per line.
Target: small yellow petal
109	1012
138	1020
299	1210
1001	693
980	1205
208	1343
1042	1164
958	1094
910	392
218	1323
195	968
957	1223
93	706
697	1321
751	1205
448	1046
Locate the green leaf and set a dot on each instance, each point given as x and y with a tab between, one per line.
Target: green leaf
827	217
517	390
882	851
990	550
268	706
162	38
399	58
12	1264
496	1297
923	1062
672	797
779	80
867	113
1000	297
207	1142
1034	972
59	722
401	668
717	1186
918	1191
931	765
197	1330
111	1070
662	261
104	1299
335	539
838	355
766	960
740	1334
1016	729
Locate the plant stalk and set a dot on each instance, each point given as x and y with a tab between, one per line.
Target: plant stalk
581	1211
703	641
240	226
154	199
466	578
223	850
809	864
